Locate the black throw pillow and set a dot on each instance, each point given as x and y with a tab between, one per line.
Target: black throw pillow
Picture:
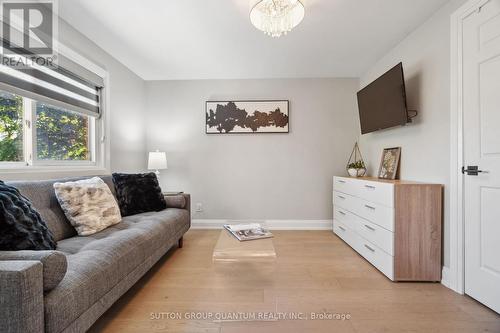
21	226
138	193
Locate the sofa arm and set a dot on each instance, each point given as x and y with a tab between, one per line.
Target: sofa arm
182	201
187	198
21	296
54	264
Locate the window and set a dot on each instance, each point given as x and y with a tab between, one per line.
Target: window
11	128
61	135
37	133
51	114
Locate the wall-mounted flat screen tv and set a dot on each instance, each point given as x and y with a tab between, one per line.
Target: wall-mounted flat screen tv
382	103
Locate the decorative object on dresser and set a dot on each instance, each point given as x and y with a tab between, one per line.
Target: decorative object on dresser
389	163
246	117
395	225
356	166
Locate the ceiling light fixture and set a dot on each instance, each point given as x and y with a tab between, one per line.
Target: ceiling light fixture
276	17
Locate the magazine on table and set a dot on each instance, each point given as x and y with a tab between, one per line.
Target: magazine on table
246	232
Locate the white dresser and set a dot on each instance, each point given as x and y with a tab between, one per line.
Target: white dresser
395	225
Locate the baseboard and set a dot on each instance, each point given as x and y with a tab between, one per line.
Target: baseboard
445	277
271	224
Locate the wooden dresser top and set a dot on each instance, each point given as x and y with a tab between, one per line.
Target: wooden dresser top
390	181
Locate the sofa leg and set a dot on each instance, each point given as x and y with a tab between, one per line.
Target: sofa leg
181	242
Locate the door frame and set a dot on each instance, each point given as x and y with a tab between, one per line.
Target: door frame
456	274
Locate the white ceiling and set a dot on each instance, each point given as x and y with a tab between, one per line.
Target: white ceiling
214	39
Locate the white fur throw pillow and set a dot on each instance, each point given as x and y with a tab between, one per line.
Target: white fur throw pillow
88	204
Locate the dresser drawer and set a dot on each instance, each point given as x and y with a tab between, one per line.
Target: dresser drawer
345	185
346	201
343	232
373	212
368	230
378	192
376	256
344	217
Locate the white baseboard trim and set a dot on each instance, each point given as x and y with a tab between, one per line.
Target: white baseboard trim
445	277
271	224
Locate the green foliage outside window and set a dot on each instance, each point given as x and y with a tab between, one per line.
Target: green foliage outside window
11	128
61	135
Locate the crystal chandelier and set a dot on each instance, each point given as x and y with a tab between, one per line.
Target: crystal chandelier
276	17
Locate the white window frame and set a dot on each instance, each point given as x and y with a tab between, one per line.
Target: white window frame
99	142
93	130
30	141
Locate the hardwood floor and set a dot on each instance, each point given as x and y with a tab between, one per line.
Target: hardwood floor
316	272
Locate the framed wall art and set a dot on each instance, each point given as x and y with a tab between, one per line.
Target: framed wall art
243	117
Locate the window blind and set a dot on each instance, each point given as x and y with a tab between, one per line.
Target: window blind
67	84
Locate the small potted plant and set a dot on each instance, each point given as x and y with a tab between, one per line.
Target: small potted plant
356	169
356	166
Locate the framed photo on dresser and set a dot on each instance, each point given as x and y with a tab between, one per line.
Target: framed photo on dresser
389	163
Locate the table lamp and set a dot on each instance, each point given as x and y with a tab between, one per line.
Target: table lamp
157	161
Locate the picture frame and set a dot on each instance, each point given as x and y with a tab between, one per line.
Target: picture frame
389	163
247	116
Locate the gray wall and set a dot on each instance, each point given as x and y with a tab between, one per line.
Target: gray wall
255	176
426	143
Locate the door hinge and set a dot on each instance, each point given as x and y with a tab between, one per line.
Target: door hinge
478	10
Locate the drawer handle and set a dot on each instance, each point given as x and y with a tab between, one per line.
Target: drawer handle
370	248
340	197
342	228
371	187
341	181
370	207
369	227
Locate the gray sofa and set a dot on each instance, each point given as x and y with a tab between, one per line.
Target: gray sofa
67	290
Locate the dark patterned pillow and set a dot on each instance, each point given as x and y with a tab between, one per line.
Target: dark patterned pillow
21	226
138	193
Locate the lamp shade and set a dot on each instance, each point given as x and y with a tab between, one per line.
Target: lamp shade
157	160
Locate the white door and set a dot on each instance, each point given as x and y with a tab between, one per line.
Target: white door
481	123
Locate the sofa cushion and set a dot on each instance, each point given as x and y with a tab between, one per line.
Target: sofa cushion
54	264
138	193
170	220
88	204
96	263
42	196
21	226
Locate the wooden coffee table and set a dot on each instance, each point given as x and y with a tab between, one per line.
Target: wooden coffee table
230	250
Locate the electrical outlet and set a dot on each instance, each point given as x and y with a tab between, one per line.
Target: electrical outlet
199	207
